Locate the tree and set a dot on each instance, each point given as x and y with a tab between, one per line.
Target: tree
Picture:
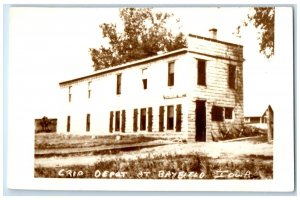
144	34
263	19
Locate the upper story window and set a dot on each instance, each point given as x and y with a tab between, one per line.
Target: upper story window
232	76
145	78
171	73
119	76
89	89
201	72
70	94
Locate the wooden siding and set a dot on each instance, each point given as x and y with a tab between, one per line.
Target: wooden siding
185	92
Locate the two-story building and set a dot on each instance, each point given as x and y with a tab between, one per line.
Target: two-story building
188	93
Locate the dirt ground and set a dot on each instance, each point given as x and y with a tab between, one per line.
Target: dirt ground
218	150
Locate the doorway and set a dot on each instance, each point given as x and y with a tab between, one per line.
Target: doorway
200	124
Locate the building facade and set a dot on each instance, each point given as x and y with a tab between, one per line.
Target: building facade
188	93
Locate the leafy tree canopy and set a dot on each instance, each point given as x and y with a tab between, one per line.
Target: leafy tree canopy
144	34
263	19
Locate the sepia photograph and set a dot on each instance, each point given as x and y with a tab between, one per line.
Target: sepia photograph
147	93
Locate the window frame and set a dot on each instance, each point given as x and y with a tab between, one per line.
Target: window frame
68	123
88	122
111	121
231	110
170	119
150	119
70	94
178	125
145	83
135	119
161	120
119	84
217	113
123	121
117	121
171	76
143	119
201	77
145	78
232	76
89	89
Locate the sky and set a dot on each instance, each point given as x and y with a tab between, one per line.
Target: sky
51	45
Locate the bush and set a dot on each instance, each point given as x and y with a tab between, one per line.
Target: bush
235	132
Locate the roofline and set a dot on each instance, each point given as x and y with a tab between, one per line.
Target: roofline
142	61
214	40
128	64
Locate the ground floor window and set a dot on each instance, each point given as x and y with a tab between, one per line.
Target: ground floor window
150	118
123	121
228	113
161	118
135	118
111	119
68	123
217	113
88	122
143	119
178	117
117	121
170	117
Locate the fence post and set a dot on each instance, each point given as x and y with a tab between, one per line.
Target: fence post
270	116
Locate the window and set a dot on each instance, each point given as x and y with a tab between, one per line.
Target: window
217	113
70	94
150	118
89	89
111	121
228	113
144	84
119	76
144	79
123	121
88	123
231	76
135	118
117	122
201	72
178	118
68	123
161	118
171	74
143	119
170	117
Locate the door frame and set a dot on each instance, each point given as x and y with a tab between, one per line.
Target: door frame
200	119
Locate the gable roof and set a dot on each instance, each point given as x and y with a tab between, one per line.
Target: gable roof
256	111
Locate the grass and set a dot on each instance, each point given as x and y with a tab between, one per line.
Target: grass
57	141
224	160
190	166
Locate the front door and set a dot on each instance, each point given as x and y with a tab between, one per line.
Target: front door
200	113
